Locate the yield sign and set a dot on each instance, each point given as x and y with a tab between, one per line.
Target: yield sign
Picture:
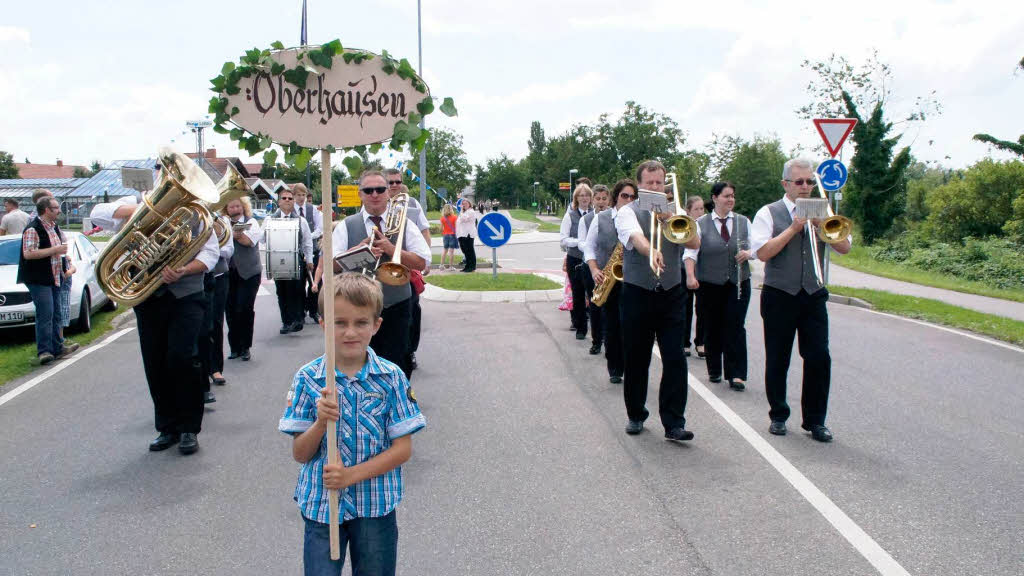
834	132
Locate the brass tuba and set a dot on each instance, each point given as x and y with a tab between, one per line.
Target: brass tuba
612	273
160	233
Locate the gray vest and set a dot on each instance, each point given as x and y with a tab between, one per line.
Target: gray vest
607	239
575	216
246	260
716	262
792	268
637	268
357	233
221	267
190	284
310	215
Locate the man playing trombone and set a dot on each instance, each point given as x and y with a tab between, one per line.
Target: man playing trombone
793	301
391	341
652	308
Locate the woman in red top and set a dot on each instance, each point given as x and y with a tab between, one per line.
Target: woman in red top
451	243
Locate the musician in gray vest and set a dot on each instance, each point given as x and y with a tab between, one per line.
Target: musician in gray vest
651	306
595	312
721	272
391	341
169	323
793	302
597	250
211	339
245	271
292	293
419	217
314	219
568	232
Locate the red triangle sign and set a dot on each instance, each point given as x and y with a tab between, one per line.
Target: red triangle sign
834	132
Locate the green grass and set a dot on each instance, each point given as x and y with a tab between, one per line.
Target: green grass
860	259
434	215
998	327
528	216
484	282
18	346
435	259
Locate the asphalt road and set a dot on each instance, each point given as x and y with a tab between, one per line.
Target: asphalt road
524	467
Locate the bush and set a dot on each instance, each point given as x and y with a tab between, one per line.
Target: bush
979	205
994	261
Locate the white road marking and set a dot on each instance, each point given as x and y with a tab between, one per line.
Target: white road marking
946	329
854	534
61	366
263	291
562	258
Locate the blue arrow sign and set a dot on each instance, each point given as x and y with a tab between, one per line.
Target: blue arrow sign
833	174
494	230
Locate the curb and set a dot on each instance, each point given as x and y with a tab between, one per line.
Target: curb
850	301
437	294
121	319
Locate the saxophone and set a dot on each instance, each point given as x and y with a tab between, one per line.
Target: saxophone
612	273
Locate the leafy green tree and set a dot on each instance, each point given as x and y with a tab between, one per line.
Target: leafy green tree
641	135
693	170
291	175
503	179
81	172
876	193
984	202
447	165
7	167
755	169
96	166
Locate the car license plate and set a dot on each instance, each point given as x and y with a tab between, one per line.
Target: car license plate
12	316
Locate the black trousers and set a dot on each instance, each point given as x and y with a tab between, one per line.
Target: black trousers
806	316
241	310
469	251
692	297
391	342
579	304
291	295
596	313
168	333
204	345
613	331
310	304
647	316
216	325
726	339
415	322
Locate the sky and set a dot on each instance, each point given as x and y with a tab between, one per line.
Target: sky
85	81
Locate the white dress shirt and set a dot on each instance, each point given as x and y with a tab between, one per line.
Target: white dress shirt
589	242
412	240
318	218
568	240
465	225
763	225
626	224
103	216
254	232
730	220
421	216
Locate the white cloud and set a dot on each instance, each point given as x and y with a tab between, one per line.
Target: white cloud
11	35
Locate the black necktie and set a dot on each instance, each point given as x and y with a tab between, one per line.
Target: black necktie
376	222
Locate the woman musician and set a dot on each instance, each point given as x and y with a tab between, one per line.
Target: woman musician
245	269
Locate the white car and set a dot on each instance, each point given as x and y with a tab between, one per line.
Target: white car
16	308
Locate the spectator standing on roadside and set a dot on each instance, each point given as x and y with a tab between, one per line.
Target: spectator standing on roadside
14	220
465	229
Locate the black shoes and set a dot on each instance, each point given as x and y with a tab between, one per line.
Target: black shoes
737	385
163	442
208	397
246	355
293	327
678	434
595	349
233	355
715	379
634	427
45	358
412	361
315	318
285	328
686	352
700	352
189	443
615	379
777	428
219	381
581	335
819	432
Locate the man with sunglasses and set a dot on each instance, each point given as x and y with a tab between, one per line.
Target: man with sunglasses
40	269
793	302
597	250
419	217
291	294
366	227
652	309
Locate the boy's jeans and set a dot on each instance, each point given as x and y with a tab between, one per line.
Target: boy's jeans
373	542
47	301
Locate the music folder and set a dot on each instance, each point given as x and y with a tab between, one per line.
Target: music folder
358	259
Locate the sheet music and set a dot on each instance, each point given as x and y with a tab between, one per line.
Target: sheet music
652	201
811	208
356	259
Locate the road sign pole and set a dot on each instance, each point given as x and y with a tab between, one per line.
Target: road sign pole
494	263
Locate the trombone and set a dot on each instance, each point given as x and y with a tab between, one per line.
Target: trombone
833	229
677	229
394	273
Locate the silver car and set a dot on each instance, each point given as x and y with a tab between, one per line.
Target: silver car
16	308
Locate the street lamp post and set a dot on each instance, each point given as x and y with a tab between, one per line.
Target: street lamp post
535	205
569	199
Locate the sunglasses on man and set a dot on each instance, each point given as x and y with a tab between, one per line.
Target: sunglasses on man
394	182
807	182
374	190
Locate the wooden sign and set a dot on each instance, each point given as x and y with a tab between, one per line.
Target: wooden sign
345	105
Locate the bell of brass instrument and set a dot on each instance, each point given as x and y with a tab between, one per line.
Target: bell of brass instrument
835	228
231	186
394	273
222	228
612	273
680	228
160	232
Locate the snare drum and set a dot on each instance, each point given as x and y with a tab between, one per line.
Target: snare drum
281	256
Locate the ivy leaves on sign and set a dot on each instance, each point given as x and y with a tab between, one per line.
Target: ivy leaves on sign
406	132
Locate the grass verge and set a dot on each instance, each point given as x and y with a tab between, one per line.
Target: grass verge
485	283
435	259
527	216
997	327
860	259
18	346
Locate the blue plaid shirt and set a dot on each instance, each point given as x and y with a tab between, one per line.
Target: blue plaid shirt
377	406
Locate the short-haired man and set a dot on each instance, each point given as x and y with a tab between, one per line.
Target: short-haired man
291	294
40	268
793	302
366	227
314	219
652	308
14	220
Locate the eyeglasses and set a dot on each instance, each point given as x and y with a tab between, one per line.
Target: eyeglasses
374	190
627	195
394	182
807	182
285	199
